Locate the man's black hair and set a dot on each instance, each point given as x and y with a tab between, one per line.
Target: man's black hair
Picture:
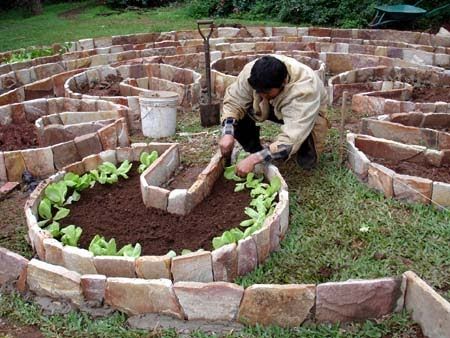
268	72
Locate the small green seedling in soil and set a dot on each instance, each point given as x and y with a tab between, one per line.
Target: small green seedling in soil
107	172
146	160
79	183
100	247
130	251
71	235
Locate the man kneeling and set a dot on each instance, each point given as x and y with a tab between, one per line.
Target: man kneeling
279	89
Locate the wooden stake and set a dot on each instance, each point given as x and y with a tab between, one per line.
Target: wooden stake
342	127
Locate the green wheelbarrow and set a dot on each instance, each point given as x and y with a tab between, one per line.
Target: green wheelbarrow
387	14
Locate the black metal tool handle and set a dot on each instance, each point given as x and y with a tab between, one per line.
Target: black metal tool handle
204	23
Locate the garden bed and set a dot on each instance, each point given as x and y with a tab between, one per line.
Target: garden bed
18	136
429	94
117	211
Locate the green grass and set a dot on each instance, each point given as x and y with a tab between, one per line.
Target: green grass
48	28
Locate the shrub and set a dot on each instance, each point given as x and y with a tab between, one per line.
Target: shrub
137	3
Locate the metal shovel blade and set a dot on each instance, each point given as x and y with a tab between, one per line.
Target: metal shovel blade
210	114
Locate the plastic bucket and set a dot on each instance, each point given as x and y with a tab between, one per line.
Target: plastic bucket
158	113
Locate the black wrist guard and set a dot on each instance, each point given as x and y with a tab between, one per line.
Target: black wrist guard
228	126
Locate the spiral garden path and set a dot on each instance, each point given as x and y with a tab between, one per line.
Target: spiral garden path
79	127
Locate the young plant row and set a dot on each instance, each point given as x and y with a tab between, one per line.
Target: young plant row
261	206
58	195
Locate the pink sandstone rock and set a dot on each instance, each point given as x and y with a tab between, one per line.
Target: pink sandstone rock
412	188
357	300
247	256
11	265
283	305
225	263
209	301
93	287
139	296
193	267
153	267
381	178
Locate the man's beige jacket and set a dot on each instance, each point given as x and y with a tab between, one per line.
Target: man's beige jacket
298	104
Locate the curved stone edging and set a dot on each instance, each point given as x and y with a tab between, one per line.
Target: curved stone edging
265	304
203	266
388	182
64	143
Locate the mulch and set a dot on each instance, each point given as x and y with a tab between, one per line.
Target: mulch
117	211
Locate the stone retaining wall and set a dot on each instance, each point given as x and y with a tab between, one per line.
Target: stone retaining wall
388	182
63	144
152	76
265	304
223	264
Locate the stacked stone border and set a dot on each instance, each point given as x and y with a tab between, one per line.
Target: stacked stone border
265	304
223	264
139	79
388	182
69	129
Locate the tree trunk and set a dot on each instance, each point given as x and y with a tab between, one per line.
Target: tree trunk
35	6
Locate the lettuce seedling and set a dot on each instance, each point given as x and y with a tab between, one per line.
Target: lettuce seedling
71	235
45	212
230	174
171	254
100	247
79	183
130	251
108	173
146	160
56	192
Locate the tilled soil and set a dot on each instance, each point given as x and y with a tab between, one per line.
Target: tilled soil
440	174
108	87
118	212
431	95
17	136
185	177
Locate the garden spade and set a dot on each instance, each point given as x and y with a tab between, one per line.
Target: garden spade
210	111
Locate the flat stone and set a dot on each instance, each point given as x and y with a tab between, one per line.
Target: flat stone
79	260
411	188
282	305
441	194
247	255
196	193
91	162
193	267
427	307
283	197
154	197
8	187
108	136
53	251
88	144
225	261
262	240
93	287
76	168
209	301
153	267
37	237
39	161
178	202
15	165
392	131
138	296
54	281
123	138
108	156
112	266
11	265
357	299
3	174
357	159
381	178
227	32
125	153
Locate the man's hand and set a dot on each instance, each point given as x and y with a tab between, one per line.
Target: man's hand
226	145
248	164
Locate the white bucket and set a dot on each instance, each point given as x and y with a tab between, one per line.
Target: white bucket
158	113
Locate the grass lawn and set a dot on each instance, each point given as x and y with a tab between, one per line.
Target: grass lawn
56	24
339	229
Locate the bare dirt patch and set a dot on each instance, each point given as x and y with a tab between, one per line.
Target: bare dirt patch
17	136
108	87
9	330
73	13
118	212
440	174
431	95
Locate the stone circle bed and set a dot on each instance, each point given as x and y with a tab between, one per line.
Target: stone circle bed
66	143
186	290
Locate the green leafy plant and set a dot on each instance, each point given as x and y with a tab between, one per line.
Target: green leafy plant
71	235
146	160
79	183
130	251
100	247
230	174
107	172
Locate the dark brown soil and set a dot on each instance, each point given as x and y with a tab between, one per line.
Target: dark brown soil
431	95
440	174
108	87
118	212
17	136
7	329
185	177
